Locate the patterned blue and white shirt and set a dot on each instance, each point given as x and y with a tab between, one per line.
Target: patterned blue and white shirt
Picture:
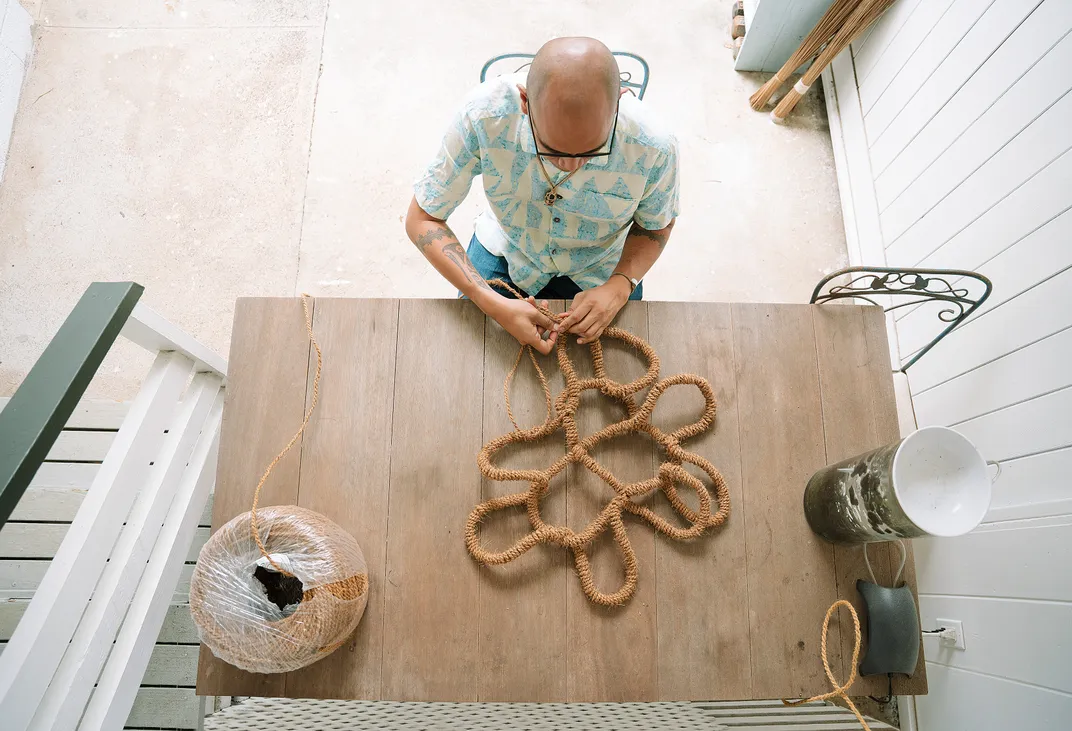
582	235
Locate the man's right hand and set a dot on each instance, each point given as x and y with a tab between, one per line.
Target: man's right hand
521	319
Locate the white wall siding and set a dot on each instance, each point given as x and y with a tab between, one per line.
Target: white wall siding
1030	640
962	700
953	125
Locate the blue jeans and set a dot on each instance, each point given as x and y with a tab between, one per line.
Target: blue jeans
559	288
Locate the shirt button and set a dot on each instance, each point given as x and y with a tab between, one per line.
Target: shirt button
558	220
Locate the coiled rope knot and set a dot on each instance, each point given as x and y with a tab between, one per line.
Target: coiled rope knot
561	414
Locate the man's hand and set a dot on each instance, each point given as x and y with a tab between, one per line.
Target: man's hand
594	309
521	319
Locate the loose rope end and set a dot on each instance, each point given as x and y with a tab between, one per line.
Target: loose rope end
840	689
255	529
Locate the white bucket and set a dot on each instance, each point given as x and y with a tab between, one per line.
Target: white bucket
941	481
932	482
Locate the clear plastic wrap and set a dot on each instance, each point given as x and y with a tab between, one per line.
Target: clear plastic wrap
263	621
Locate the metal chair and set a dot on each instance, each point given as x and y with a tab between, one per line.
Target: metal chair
635	88
915	287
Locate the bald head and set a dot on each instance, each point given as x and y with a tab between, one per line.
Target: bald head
575	70
572	95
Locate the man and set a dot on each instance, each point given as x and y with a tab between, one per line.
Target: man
582	192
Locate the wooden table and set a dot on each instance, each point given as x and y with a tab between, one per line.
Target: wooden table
411	389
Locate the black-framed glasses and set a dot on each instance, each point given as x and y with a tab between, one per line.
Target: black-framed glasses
603	150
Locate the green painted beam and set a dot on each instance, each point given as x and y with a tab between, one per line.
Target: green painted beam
37	412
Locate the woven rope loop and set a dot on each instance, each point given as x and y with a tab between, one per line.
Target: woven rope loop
562	415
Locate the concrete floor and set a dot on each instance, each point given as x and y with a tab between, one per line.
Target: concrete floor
242	147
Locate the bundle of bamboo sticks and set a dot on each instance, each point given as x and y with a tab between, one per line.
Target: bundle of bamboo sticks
842	23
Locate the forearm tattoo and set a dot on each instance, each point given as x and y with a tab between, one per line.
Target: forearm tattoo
456	254
432	235
660	237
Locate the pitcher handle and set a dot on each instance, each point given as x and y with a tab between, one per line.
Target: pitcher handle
996	474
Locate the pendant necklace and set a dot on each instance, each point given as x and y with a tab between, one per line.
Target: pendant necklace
551	196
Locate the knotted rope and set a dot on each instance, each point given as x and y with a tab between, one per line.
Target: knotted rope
839	691
670	474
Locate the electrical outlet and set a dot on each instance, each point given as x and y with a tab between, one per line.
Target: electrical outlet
953	637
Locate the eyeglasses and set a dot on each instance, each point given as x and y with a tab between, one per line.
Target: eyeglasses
603	150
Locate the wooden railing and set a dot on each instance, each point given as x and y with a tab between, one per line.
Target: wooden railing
78	654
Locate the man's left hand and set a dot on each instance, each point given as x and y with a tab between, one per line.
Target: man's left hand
593	309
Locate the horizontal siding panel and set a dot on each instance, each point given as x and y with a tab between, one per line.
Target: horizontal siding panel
1024	374
1033	487
882	105
1021	640
81	446
19	579
1037	91
1034	315
914	234
885	32
178	627
1041	254
960	700
61	504
902	54
1039	425
41	540
92	414
964	86
164	708
1033	204
1003	561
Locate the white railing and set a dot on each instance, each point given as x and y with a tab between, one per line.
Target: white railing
77	657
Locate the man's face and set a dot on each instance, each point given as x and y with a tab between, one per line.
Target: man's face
559	129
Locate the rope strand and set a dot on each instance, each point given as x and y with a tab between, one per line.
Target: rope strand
293	440
839	691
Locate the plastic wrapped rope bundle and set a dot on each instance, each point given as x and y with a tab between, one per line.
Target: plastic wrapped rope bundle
287	606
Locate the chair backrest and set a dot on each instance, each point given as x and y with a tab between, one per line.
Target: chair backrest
633	68
960	292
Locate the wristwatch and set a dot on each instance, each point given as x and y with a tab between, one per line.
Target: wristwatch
632	282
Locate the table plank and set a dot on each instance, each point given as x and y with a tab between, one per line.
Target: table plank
345	473
702	592
523	603
885	403
856	419
430	646
612	651
263	407
916	684
791	579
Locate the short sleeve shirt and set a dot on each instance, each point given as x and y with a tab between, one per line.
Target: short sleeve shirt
582	235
